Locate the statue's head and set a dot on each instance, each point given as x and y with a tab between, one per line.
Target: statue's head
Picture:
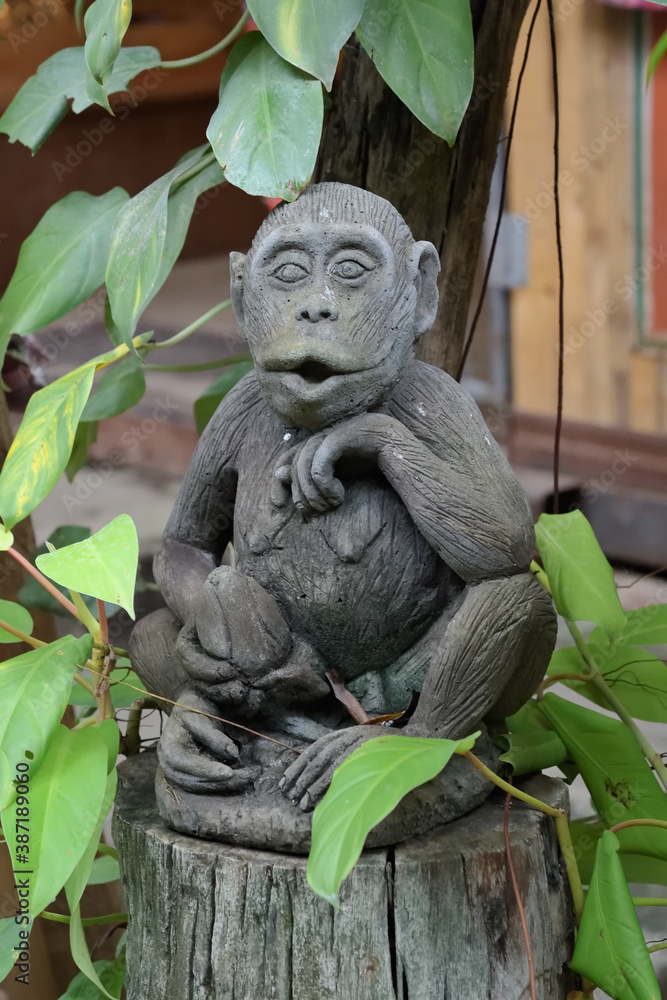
331	299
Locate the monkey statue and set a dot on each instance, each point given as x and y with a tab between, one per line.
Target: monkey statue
378	532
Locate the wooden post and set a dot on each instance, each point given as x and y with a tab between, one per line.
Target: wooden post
434	917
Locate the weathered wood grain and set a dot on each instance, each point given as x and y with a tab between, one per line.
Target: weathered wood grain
432	919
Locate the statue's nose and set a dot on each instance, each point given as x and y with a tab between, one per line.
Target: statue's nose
316	308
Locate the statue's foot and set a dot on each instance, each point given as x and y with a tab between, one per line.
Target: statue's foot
307	779
195	752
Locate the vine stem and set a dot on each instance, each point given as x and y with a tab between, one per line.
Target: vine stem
192	328
660	946
23	636
53	590
596	678
213	51
648	901
639	822
202	366
562	830
108	918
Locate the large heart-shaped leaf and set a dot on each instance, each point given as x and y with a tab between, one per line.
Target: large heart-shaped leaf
620	781
308	33
425	53
581	579
34	690
61	263
149	235
41	103
266	130
104	565
610	948
66	796
364	789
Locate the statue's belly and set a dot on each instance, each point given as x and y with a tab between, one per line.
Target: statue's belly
360	582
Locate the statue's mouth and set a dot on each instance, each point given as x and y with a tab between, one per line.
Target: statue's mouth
315	372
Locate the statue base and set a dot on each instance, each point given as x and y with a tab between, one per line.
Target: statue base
434	916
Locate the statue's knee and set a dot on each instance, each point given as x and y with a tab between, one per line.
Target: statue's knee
152	649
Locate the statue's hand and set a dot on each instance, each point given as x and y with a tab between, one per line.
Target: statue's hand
308	470
308	778
195	752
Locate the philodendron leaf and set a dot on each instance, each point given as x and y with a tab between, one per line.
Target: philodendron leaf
211	398
644	626
610	948
620	781
43	442
308	33
34	689
106	22
425	53
581	579
41	103
635	676
110	974
120	388
103	870
531	743
16	615
115	971
364	789
266	130
146	232
66	796
585	835
80	876
61	263
104	565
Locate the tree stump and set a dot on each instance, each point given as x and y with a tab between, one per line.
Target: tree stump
434	917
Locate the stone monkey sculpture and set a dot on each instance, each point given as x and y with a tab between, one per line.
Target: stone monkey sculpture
377	527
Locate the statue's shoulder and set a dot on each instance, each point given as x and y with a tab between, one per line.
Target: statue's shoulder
425	387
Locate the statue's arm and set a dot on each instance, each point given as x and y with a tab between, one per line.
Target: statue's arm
201	523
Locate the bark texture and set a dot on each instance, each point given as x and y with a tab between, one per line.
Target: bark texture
372	140
430	919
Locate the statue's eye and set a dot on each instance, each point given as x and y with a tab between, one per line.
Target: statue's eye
290	272
348	269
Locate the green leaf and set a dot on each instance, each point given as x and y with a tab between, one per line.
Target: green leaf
610	948
308	33
80	876
6	539
61	263
65	799
620	781
266	130
43	443
211	398
425	53
122	696
81	955
104	869
364	789
110	973
644	626
143	249
6	786
120	388
32	594
104	565
531	744
106	22
10	943
657	52
15	615
581	579
34	688
636	867
637	678
41	103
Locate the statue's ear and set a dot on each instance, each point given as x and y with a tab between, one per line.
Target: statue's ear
425	265
236	269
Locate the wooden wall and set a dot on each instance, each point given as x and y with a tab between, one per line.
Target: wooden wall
609	380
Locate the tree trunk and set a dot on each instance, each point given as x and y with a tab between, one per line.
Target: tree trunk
432	918
372	140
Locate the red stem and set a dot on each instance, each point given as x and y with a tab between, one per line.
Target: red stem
52	589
